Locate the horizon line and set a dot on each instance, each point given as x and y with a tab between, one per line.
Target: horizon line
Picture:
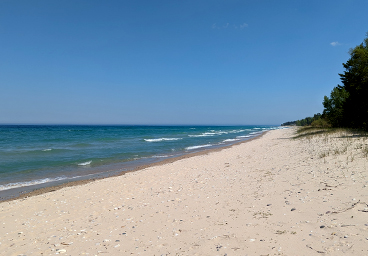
111	124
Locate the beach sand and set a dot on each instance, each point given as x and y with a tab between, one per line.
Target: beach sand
270	196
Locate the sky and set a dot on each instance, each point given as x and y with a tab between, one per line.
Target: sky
171	62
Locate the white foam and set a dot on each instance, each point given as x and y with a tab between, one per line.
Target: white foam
236	131
244	136
253	133
161	139
85	163
214	133
230	140
47	149
205	134
37	182
199	146
29	183
163	156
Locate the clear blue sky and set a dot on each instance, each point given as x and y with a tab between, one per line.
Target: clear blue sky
173	61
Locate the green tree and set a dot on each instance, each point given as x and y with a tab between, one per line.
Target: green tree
355	80
306	121
347	105
334	106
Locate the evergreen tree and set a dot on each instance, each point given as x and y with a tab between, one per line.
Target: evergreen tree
355	80
334	106
348	104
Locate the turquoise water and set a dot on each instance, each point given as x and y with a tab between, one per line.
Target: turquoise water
33	155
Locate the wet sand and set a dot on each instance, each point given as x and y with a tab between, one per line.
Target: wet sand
270	196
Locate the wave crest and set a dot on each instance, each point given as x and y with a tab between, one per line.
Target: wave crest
199	146
230	140
161	139
85	163
30	183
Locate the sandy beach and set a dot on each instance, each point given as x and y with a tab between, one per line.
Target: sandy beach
274	195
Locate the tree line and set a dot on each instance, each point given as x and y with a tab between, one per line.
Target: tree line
314	120
347	105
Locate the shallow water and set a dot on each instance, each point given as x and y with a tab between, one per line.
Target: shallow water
34	155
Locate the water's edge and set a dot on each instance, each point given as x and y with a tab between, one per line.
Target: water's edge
25	192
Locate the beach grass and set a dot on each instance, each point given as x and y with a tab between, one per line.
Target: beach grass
335	141
310	131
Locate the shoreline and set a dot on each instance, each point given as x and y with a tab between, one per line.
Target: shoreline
39	191
274	195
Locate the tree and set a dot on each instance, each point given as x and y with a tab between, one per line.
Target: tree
355	80
334	106
305	121
348	104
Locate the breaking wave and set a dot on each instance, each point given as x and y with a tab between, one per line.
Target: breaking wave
85	163
199	146
30	183
161	139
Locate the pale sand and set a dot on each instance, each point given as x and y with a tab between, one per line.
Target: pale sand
270	196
